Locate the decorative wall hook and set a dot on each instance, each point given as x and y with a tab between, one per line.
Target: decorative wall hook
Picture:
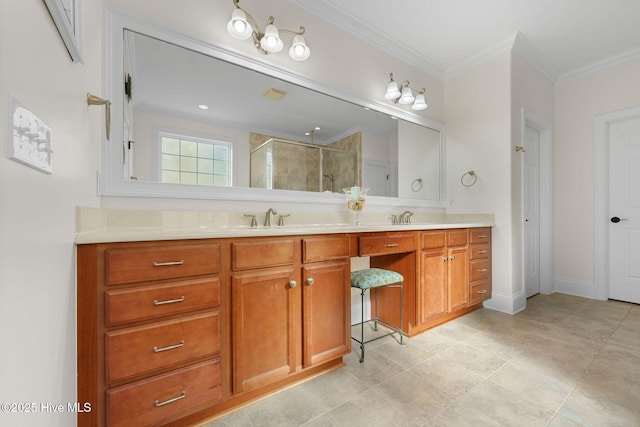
96	100
520	148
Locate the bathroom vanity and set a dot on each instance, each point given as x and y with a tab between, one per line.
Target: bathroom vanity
175	330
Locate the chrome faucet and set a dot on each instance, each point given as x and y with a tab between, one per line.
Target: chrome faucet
405	217
267	218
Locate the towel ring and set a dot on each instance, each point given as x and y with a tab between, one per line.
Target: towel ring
471	174
416	185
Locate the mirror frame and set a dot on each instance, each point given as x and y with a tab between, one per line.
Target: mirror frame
111	182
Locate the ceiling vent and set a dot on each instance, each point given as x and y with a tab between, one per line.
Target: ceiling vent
274	94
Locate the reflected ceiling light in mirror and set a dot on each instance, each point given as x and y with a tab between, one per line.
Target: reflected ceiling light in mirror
203	107
242	26
404	95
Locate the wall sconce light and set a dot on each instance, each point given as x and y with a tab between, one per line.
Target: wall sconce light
242	26
404	95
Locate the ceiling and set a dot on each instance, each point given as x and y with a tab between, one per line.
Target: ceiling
562	38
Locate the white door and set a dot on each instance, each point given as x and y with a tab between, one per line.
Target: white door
531	211
376	177
624	210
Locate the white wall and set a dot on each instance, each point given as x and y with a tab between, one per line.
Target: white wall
577	102
478	112
37	211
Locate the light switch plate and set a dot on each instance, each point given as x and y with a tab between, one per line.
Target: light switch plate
29	139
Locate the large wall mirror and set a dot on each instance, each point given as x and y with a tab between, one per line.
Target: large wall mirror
194	120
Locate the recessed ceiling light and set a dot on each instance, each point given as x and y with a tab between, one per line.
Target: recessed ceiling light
203	107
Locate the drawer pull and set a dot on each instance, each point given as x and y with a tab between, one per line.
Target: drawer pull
482	236
484	291
482	252
171	347
391	245
483	270
157	403
169	301
168	263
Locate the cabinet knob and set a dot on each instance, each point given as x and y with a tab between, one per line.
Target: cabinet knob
293	284
452	257
444	258
310	281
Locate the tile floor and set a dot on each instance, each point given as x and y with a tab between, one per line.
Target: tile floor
564	361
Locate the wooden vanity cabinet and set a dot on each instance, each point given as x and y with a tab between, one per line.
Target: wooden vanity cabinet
326	299
479	265
265	311
150	331
443	282
290	306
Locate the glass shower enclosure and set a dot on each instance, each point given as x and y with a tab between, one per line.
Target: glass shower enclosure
281	164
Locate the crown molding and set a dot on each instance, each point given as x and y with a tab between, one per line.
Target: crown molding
331	12
599	65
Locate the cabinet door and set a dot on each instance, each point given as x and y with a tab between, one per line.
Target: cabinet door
432	293
326	302
266	327
458	278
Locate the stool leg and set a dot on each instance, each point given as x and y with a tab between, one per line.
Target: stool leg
401	336
371	301
362	325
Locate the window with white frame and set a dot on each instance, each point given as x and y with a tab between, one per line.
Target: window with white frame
194	160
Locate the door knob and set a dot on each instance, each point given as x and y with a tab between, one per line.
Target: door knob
616	219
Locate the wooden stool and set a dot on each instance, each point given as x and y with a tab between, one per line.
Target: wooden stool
376	278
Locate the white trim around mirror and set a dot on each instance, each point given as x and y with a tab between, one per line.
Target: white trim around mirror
110	181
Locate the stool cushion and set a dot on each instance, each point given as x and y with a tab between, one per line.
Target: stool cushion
373	277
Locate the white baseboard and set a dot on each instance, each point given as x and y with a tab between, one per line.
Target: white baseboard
510	304
574	287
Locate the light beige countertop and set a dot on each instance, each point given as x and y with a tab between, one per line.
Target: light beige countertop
94	225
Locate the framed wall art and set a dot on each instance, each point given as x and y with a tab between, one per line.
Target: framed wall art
67	15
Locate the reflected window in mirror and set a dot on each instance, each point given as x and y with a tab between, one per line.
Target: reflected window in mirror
190	160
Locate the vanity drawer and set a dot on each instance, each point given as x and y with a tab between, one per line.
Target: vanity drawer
479	292
144	349
434	240
381	244
480	235
150	302
143	264
262	253
479	251
457	238
152	401
479	270
324	248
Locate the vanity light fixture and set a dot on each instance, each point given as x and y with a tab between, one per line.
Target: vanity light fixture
404	95
242	26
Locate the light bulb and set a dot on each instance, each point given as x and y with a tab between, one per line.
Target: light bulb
271	41
238	26
407	96
299	50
